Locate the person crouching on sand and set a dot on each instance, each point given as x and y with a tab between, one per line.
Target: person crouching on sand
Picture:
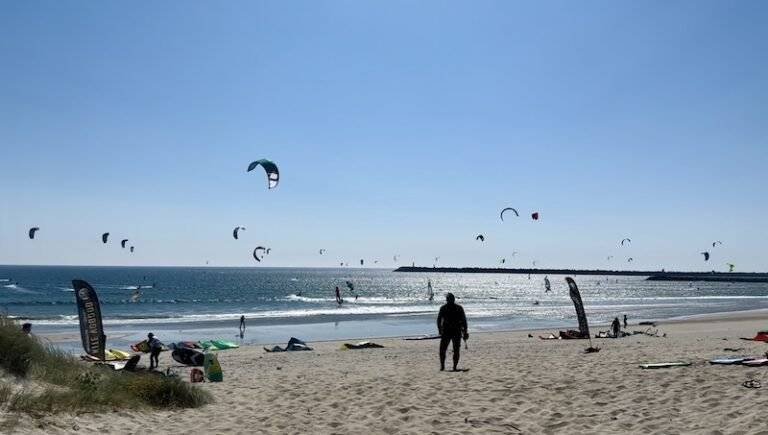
452	326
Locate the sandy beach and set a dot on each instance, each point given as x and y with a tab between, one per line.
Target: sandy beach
515	384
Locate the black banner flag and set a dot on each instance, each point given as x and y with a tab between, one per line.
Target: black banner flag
576	298
89	311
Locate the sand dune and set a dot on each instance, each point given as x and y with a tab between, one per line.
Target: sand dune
515	384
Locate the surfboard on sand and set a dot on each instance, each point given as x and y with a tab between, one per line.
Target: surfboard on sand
664	365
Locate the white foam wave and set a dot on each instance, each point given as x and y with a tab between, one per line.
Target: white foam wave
19	289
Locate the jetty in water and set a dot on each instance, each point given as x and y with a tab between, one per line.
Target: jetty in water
651	275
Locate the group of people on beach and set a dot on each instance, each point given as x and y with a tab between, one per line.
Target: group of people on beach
451	327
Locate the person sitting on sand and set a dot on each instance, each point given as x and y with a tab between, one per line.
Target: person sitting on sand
615	327
155	346
452	326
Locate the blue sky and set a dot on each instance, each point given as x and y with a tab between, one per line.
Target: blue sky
399	128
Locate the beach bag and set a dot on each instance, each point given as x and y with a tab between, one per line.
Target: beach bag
196	375
213	368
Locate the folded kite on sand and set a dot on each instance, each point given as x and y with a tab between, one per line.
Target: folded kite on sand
218	345
760	336
570	334
361	345
110	355
294	344
188	357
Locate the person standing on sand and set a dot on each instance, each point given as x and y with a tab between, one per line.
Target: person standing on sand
625	321
452	327
242	326
155	346
615	327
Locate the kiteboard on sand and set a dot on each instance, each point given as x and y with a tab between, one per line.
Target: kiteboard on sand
726	360
756	362
664	365
423	337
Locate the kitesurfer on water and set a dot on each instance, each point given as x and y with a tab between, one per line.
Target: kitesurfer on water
452	327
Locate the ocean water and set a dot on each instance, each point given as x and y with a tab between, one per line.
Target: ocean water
196	303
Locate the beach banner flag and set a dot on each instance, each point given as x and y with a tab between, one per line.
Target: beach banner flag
89	312
576	298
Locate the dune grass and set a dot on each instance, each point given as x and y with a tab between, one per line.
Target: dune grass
64	384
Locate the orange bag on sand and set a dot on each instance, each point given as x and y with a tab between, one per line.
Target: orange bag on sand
196	375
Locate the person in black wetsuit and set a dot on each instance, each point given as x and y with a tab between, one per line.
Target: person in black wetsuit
452	326
155	346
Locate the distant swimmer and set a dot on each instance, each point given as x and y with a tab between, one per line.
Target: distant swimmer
452	327
535	302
